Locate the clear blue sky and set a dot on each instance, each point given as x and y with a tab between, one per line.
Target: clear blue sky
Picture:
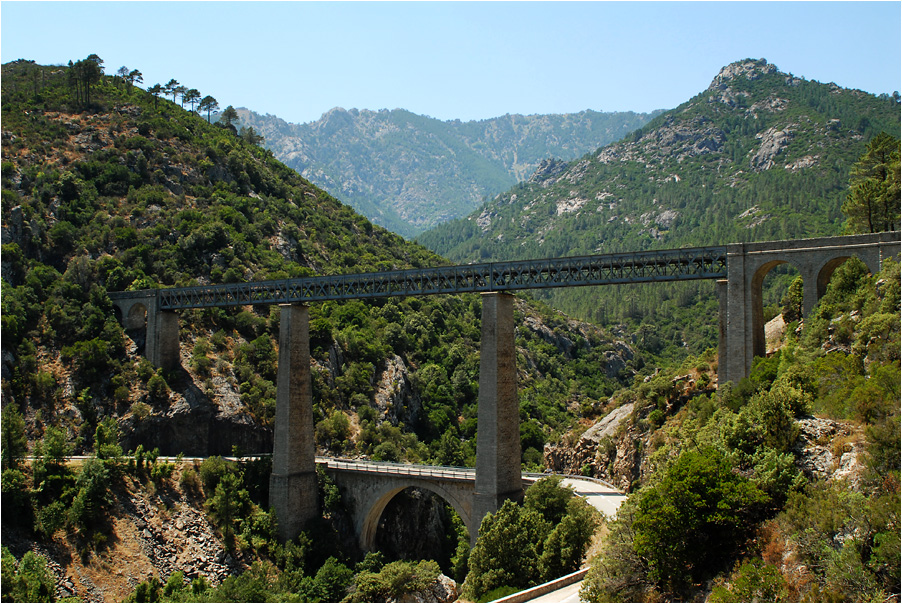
459	60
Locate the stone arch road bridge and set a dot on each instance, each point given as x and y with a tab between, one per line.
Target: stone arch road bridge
738	268
369	486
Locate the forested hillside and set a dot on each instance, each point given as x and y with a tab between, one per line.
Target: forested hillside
410	172
782	489
760	155
109	187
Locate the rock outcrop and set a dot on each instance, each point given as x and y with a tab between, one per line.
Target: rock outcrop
616	448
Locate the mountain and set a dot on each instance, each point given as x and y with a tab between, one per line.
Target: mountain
410	172
108	187
760	155
130	191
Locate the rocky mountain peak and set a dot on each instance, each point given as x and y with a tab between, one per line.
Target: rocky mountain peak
750	69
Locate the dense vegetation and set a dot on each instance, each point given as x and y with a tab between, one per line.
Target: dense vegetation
109	187
130	191
522	546
729	514
760	155
409	172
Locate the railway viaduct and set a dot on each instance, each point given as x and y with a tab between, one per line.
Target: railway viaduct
739	270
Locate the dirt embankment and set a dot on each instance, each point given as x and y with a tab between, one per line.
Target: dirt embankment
151	530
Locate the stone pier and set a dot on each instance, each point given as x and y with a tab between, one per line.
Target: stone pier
498	427
292	485
741	304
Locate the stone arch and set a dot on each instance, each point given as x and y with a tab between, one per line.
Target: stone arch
759	344
136	318
829	267
368	522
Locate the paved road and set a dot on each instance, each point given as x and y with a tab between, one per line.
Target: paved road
565	594
603	498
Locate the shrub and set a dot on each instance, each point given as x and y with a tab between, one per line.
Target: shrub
393	581
29	580
157	387
212	469
753	581
190	481
694	519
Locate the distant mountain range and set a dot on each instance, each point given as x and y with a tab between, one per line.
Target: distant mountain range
758	155
410	172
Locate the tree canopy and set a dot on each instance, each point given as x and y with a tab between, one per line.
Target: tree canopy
873	202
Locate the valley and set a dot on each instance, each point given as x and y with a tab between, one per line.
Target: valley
128	191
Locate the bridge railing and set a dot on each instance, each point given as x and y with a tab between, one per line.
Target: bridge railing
398	469
601	269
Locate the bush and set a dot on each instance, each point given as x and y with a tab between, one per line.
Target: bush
190	482
393	581
212	469
694	519
753	581
157	387
28	580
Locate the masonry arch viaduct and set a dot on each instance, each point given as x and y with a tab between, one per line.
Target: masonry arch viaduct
739	269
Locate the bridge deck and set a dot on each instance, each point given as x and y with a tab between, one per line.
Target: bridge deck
603	269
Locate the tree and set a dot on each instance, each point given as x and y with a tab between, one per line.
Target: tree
83	75
106	439
122	74
135	77
170	88
27	581
156	90
192	97
563	550
872	204
180	91
92	495
694	519
507	551
226	505
228	116
250	135
209	105
13	444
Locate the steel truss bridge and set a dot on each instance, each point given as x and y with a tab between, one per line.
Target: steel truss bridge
605	269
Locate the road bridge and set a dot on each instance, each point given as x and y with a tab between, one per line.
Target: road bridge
739	270
368	486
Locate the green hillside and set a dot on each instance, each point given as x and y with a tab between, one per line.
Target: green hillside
409	172
760	155
113	188
782	488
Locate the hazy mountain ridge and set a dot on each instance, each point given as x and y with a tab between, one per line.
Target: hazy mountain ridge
759	155
410	172
724	150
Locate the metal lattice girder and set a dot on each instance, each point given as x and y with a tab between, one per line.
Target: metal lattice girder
605	269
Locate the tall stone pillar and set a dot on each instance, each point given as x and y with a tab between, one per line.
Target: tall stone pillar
735	359
720	288
292	484
810	286
162	347
498	474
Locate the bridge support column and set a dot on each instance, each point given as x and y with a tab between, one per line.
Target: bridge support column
292	485
720	289
162	347
498	428
736	347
